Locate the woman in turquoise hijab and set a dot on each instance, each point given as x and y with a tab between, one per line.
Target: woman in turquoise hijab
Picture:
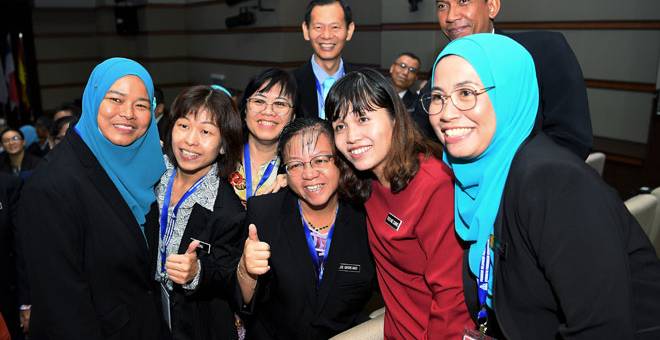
82	216
552	251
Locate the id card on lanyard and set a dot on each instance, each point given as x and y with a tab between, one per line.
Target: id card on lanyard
483	280
319	263
247	166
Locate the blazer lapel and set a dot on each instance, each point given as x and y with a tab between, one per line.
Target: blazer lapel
331	265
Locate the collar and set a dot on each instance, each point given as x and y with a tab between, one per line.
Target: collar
320	74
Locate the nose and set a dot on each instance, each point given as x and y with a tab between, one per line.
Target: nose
268	110
352	134
190	137
326	33
453	13
308	172
127	111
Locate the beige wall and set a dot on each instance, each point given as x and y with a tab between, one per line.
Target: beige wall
183	42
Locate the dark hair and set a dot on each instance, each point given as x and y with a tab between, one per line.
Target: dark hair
158	95
60	122
411	55
322	127
2	134
225	115
368	90
71	107
348	15
270	77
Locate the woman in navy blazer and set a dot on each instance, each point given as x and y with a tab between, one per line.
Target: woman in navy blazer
306	270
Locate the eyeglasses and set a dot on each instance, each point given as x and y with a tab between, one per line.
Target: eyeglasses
410	69
257	105
318	163
463	99
15	138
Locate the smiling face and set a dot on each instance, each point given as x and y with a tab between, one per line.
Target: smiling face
12	142
125	111
317	188
327	31
465	134
402	78
196	142
459	18
365	140
266	126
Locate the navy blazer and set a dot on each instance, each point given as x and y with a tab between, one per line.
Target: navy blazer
86	256
287	303
307	94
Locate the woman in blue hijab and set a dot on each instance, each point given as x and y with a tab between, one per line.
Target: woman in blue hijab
552	250
82	216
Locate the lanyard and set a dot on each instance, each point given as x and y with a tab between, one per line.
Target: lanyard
482	286
167	224
319	263
247	166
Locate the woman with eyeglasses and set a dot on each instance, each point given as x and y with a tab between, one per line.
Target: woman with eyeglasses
408	199
306	271
552	252
266	107
198	219
15	160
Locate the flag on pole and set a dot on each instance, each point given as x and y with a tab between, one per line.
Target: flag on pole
10	75
4	92
22	74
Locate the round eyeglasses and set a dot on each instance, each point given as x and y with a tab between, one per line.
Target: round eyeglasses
463	99
257	105
318	163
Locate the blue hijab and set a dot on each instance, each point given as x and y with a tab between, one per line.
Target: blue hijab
29	134
134	169
501	62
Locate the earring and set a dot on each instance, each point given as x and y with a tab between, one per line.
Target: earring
222	150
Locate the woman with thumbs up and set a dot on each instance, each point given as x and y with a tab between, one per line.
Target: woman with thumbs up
306	271
197	221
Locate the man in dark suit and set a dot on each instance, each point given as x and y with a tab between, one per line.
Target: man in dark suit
9	190
563	107
404	75
328	26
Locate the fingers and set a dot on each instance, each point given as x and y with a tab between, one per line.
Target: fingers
252	233
192	247
181	268
255	253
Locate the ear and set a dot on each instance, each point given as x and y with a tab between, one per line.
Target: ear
351	30
305	31
493	8
392	68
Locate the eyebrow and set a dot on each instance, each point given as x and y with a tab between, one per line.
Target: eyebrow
124	95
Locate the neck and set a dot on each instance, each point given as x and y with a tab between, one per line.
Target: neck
261	152
320	215
329	66
185	180
16	159
397	89
379	172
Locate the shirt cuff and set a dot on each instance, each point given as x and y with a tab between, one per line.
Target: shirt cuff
193	284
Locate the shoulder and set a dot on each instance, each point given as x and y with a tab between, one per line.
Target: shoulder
303	71
263	205
537	37
433	170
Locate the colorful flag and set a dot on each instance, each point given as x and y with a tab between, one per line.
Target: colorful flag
10	75
22	74
4	94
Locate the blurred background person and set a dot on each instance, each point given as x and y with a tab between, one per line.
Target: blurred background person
15	160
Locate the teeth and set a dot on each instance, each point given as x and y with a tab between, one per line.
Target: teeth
457	132
188	153
267	123
122	126
361	150
316	187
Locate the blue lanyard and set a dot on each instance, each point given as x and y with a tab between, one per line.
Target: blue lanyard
247	166
482	285
319	263
167	225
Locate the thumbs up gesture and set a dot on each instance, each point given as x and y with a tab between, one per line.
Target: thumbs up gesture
255	254
182	268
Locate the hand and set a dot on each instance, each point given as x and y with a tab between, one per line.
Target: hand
280	182
182	269
255	254
25	320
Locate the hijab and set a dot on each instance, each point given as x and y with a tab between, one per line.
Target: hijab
134	169
29	134
503	63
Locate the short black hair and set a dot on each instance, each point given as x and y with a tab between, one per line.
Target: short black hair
57	125
20	133
348	15
411	55
159	96
71	107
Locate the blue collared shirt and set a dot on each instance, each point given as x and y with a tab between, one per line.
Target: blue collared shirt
321	76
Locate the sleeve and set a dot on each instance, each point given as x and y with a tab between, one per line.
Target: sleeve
448	316
575	228
53	244
566	117
23	286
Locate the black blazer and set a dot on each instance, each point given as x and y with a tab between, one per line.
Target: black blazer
563	112
28	164
9	193
287	304
87	258
307	95
205	313
570	260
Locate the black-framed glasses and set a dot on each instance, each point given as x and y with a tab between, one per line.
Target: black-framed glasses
14	138
318	163
403	66
463	99
257	105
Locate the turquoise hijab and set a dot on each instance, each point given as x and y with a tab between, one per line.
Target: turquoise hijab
29	134
134	169
505	64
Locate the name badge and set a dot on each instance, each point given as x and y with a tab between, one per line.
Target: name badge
203	246
349	268
393	221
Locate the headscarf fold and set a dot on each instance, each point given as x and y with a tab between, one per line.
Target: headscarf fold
501	62
29	134
134	169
